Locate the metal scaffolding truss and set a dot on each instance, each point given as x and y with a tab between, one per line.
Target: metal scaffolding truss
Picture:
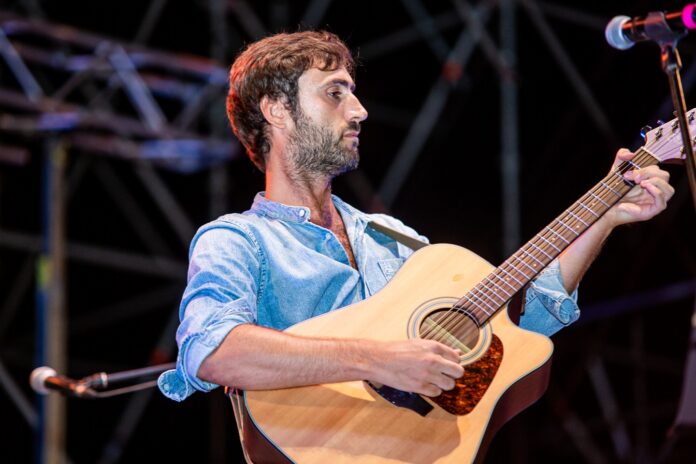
85	75
86	95
81	94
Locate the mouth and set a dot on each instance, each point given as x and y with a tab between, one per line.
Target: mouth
352	134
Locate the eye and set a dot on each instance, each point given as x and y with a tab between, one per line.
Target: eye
335	94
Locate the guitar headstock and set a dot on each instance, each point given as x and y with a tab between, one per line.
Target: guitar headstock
665	141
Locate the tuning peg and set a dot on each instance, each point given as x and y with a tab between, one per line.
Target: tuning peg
644	132
660	122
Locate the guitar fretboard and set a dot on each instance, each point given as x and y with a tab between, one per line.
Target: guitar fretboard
489	295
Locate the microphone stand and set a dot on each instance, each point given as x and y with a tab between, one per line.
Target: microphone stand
657	28
97	385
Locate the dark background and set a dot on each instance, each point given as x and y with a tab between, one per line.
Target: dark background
636	337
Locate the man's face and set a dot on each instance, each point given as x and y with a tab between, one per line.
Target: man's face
325	138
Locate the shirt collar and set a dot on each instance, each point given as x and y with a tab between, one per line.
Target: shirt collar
272	209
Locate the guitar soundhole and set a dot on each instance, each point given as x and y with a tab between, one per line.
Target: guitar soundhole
455	328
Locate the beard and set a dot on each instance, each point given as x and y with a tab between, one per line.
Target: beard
316	152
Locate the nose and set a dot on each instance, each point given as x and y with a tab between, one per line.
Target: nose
357	111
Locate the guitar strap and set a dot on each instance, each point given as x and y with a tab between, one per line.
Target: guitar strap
403	239
516	304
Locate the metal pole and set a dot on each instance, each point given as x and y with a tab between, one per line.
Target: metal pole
408	35
429	113
587	98
618	431
51	349
218	182
509	140
117	259
17	395
424	22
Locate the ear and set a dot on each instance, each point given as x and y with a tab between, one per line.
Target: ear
275	112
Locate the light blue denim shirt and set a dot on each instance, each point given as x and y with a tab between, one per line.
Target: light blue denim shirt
271	266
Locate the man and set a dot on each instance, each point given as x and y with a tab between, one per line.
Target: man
300	252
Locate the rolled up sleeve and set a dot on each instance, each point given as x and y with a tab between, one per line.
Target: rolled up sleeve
224	278
548	306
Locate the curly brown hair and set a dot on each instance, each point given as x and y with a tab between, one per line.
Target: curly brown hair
271	67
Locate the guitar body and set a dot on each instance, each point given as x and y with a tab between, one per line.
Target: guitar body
506	370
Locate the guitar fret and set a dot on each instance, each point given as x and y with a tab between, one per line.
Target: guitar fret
610	189
472	303
578	218
568	227
623	179
499	287
523	262
588	209
489	293
552	245
540	249
532	256
477	304
600	200
504	281
513	277
556	233
633	164
484	296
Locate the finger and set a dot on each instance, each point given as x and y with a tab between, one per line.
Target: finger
624	154
446	352
658	195
443	382
665	189
430	390
651	172
664	186
450	369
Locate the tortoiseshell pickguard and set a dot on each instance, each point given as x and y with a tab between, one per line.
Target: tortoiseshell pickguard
469	389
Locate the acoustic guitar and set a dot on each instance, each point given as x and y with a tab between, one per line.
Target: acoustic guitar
445	293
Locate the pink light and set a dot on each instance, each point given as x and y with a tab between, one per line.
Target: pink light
688	16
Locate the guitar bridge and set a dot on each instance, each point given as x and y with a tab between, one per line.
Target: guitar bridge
402	399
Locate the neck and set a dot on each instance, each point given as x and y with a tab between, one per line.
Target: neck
313	192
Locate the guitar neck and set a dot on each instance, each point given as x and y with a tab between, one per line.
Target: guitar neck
491	294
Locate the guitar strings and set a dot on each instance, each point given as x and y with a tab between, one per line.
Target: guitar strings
578	214
569	220
444	323
604	190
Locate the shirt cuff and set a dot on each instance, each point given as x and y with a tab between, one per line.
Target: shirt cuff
180	383
548	306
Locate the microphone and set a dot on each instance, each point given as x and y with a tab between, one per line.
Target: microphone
44	379
623	32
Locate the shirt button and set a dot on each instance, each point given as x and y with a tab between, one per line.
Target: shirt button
302	213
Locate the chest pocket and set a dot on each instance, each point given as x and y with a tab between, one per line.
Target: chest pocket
390	266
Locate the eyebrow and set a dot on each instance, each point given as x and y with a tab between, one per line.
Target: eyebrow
342	82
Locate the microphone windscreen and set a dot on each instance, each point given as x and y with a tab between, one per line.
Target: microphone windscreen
38	377
615	35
